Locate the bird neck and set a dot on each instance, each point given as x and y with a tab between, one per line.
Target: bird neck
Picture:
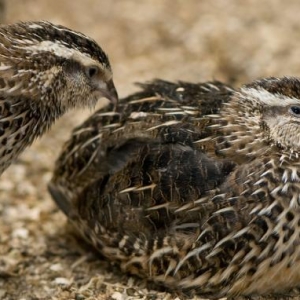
42	118
239	133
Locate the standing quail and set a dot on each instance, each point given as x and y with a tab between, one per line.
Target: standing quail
193	186
45	70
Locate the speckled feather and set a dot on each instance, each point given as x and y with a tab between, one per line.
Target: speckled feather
193	186
45	70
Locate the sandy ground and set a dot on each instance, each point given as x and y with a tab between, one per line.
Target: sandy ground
235	41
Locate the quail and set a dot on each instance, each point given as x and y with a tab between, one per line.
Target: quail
193	186
45	70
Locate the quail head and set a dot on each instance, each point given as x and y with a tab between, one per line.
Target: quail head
193	186
45	70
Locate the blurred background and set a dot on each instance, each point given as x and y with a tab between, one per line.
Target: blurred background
175	39
196	40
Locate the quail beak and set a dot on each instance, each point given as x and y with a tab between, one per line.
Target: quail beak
110	92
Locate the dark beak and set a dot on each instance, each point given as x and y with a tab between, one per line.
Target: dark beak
111	92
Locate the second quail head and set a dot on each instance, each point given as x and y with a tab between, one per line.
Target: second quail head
45	70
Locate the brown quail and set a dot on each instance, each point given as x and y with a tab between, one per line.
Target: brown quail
45	70
193	186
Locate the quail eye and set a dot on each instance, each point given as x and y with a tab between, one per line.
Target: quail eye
295	110
91	71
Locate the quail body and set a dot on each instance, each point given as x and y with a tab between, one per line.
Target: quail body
193	186
45	70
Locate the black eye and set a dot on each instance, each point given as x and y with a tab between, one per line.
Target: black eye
295	110
91	71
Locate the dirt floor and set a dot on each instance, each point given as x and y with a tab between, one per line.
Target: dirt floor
235	41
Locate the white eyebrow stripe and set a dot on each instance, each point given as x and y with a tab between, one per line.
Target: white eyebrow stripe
55	47
35	26
265	97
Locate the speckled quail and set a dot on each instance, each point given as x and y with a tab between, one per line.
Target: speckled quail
45	70
193	186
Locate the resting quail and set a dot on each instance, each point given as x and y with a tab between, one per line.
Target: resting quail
193	186
45	70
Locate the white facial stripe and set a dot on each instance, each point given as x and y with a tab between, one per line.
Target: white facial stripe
270	99
35	26
55	47
63	51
